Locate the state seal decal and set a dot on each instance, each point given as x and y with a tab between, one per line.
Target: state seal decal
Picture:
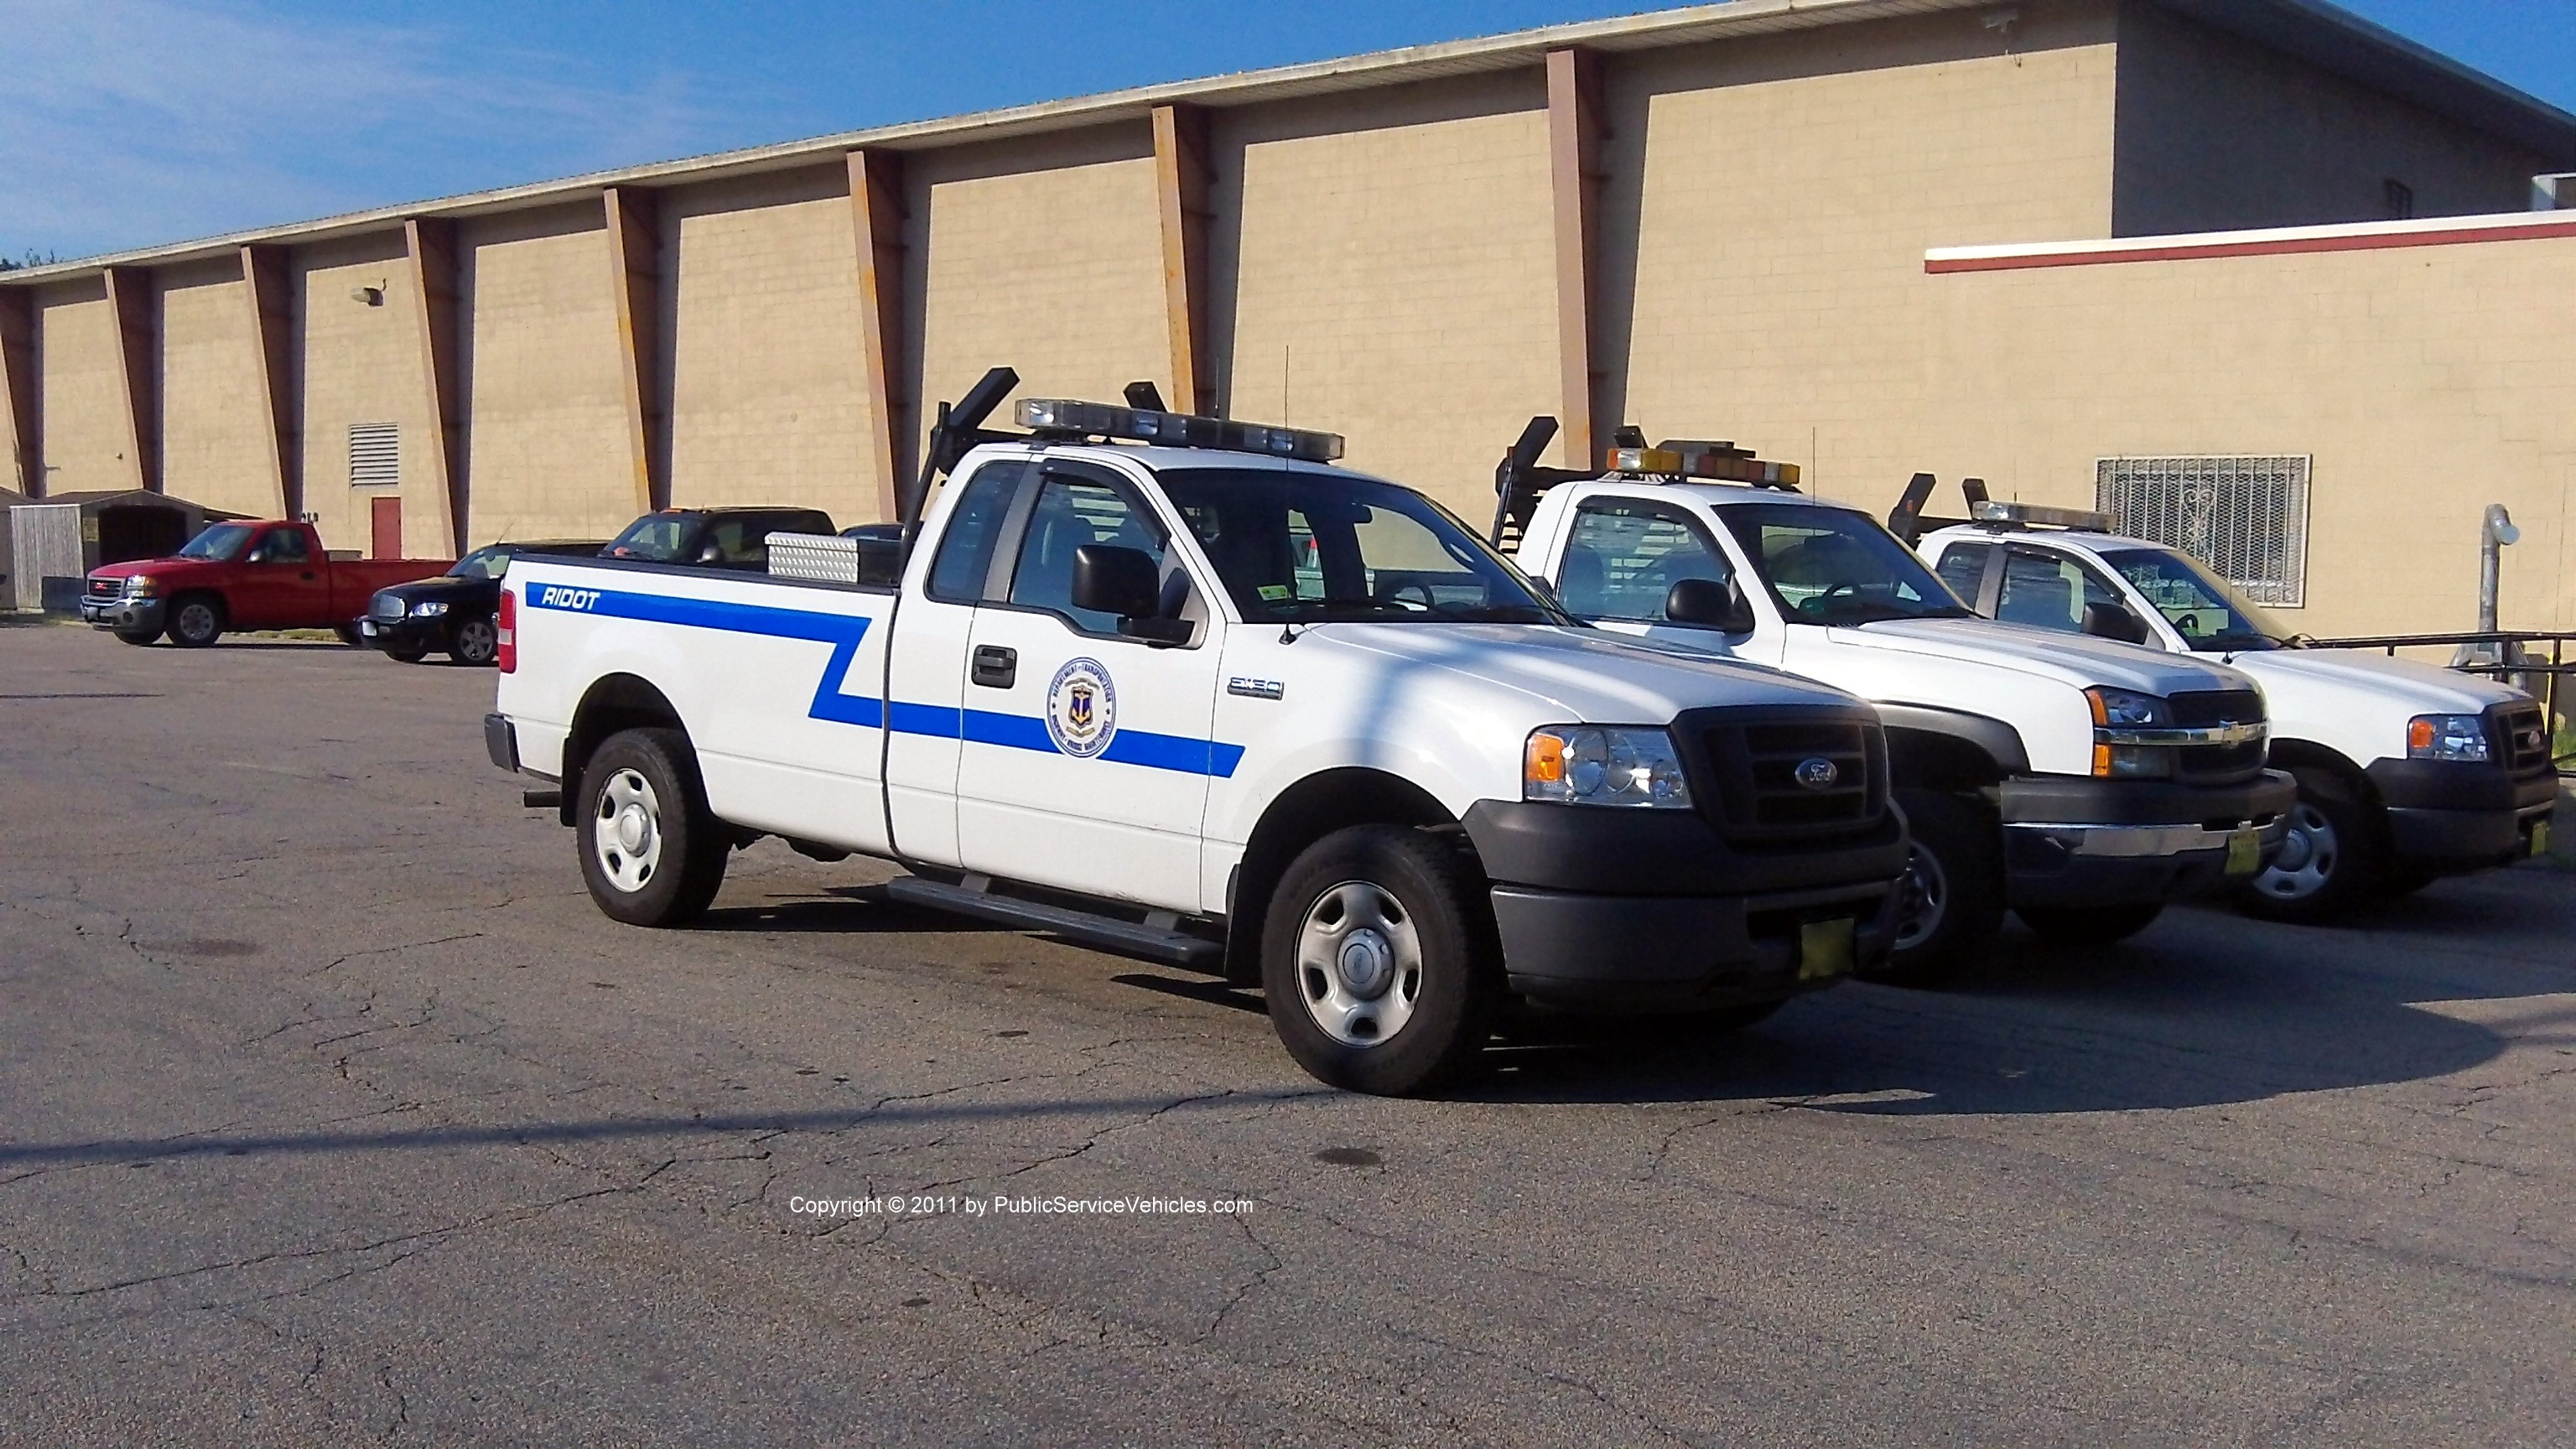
1082	709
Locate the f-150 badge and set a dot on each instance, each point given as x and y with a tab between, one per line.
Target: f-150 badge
1082	709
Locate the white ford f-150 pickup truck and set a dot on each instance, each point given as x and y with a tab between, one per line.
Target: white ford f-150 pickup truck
1214	701
2081	783
2405	772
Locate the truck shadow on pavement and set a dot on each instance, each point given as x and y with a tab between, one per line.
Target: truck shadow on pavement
2205	1008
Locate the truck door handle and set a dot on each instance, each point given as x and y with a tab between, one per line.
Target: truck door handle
308	573
995	667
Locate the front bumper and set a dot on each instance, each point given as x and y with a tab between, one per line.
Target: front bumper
426	635
1644	910
124	615
2453	815
2075	841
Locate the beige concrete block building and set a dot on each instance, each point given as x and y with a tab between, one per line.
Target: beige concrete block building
2241	262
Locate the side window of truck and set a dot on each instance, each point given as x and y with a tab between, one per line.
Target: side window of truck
1963	568
965	559
281	546
2047	591
1071	512
1623	557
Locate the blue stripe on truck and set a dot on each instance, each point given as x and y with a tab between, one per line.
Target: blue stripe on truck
843	632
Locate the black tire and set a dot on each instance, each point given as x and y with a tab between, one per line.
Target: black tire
1399	905
474	642
138	636
678	843
405	653
196	620
2089	925
2332	864
1951	906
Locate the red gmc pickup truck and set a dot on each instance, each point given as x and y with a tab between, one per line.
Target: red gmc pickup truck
240	576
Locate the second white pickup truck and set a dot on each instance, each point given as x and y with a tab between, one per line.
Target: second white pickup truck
1214	701
2082	783
2406	773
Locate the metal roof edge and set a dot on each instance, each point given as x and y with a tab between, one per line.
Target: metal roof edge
1388	67
2263	241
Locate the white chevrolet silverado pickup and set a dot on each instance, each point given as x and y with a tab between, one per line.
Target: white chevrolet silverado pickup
2081	783
1216	702
2405	772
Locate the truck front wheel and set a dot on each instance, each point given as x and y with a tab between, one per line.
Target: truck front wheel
2329	863
1378	962
473	642
1950	906
195	622
651	852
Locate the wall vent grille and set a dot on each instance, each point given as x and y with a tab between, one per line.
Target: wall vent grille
375	455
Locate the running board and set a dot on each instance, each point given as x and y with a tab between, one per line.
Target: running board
1171	947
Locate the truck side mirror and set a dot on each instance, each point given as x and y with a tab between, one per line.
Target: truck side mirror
1122	582
1711	604
2115	621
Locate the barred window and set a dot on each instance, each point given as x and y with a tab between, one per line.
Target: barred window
375	455
2245	517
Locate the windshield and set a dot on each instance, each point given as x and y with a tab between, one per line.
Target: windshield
221	542
482	563
2204	609
1833	566
655	538
1300	547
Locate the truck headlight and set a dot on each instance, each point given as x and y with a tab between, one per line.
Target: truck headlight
2121	710
2458	737
427	611
1604	765
141	586
2118	754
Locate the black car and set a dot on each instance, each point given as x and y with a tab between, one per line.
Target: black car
452	614
722	538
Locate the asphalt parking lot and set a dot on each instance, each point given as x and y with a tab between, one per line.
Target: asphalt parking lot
331	1111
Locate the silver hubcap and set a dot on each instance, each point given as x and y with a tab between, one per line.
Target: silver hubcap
196	621
1359	964
628	833
1921	900
2308	857
474	640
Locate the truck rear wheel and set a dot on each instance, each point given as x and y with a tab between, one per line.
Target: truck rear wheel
195	621
651	852
1950	906
1378	962
2329	863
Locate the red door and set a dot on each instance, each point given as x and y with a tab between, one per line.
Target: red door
384	515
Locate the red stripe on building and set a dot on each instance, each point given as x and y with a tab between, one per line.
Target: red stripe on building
2273	247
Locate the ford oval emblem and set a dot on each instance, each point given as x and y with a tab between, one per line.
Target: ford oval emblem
1818	773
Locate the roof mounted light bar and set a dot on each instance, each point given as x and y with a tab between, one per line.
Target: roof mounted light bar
1694	458
2034	515
1069	418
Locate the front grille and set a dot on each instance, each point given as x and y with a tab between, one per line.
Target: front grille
385	606
2519	734
1756	764
2219	764
2217	707
106	588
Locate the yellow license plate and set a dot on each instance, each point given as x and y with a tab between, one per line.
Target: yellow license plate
2540	837
2245	852
1827	949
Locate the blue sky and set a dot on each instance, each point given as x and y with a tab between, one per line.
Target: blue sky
132	122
